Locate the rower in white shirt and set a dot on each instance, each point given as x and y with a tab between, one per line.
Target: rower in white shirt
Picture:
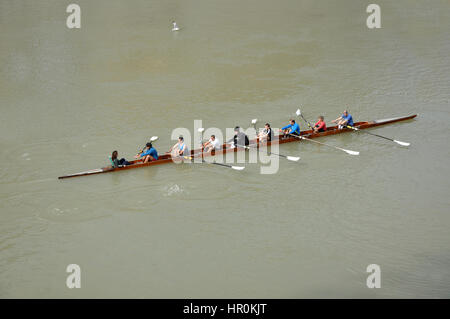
212	144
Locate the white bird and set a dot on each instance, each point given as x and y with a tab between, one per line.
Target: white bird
175	26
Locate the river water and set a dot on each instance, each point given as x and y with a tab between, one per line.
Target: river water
71	96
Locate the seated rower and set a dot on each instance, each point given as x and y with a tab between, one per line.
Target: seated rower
266	134
212	144
239	138
344	120
320	125
115	162
149	153
180	148
292	128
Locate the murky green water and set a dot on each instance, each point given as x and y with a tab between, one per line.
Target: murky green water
69	97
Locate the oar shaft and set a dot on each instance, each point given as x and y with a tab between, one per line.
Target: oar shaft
220	164
214	163
311	140
387	138
338	148
307	122
261	151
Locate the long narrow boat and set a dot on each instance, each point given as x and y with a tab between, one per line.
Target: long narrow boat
166	158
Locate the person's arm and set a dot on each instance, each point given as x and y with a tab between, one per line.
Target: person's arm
286	127
172	148
338	119
147	152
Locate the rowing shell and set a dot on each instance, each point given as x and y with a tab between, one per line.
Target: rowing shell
166	158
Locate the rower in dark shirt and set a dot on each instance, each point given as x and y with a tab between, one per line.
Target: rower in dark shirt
239	138
266	134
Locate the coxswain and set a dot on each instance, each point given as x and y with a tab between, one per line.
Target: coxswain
115	162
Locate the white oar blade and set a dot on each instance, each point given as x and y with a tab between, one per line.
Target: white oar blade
402	143
200	130
298	112
254	121
351	152
293	158
154	138
238	168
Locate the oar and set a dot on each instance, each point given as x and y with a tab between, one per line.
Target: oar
254	121
237	168
387	138
342	149
290	158
299	113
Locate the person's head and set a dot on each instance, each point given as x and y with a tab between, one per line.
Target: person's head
292	121
213	137
267	125
345	112
321	118
181	139
149	145
237	129
114	155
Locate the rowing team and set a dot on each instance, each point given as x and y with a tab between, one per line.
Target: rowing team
149	153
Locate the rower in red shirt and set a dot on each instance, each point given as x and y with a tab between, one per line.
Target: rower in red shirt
320	125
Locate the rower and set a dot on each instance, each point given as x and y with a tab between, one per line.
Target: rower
115	162
266	134
212	144
320	125
344	120
180	148
149	154
239	138
292	128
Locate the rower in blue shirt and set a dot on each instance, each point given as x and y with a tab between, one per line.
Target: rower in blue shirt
180	148
344	120
149	154
292	128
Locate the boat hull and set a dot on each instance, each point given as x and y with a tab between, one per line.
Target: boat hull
166	158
